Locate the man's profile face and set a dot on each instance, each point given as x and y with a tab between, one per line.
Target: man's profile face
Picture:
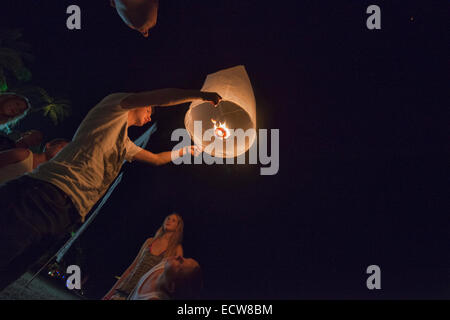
143	115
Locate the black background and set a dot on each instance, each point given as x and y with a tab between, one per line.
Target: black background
363	168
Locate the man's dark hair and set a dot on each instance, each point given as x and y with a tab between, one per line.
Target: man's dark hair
188	286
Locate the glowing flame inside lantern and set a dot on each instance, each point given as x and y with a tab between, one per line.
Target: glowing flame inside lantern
221	130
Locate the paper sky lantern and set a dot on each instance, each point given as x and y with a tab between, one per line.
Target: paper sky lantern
140	15
236	111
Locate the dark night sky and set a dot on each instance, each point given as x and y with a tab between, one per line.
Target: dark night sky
362	168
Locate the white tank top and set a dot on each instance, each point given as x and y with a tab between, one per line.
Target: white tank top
139	294
17	169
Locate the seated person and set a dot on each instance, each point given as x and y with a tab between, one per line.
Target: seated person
18	161
29	139
165	243
13	108
173	278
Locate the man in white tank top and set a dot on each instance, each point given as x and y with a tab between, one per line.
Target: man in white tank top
172	278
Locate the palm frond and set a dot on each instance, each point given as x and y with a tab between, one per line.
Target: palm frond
3	82
11	60
13	52
57	111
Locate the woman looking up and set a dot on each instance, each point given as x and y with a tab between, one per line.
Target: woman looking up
166	243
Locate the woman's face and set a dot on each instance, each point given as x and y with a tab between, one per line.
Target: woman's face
13	107
171	223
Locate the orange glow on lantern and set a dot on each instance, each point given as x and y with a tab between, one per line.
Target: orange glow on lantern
221	130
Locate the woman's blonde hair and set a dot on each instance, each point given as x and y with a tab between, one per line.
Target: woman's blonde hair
176	238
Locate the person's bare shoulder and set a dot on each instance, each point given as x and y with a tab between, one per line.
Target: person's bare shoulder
12	156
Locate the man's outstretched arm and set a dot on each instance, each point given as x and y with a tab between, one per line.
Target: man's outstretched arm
167	97
158	159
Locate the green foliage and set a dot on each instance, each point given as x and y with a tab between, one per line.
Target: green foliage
13	54
3	83
55	108
58	110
